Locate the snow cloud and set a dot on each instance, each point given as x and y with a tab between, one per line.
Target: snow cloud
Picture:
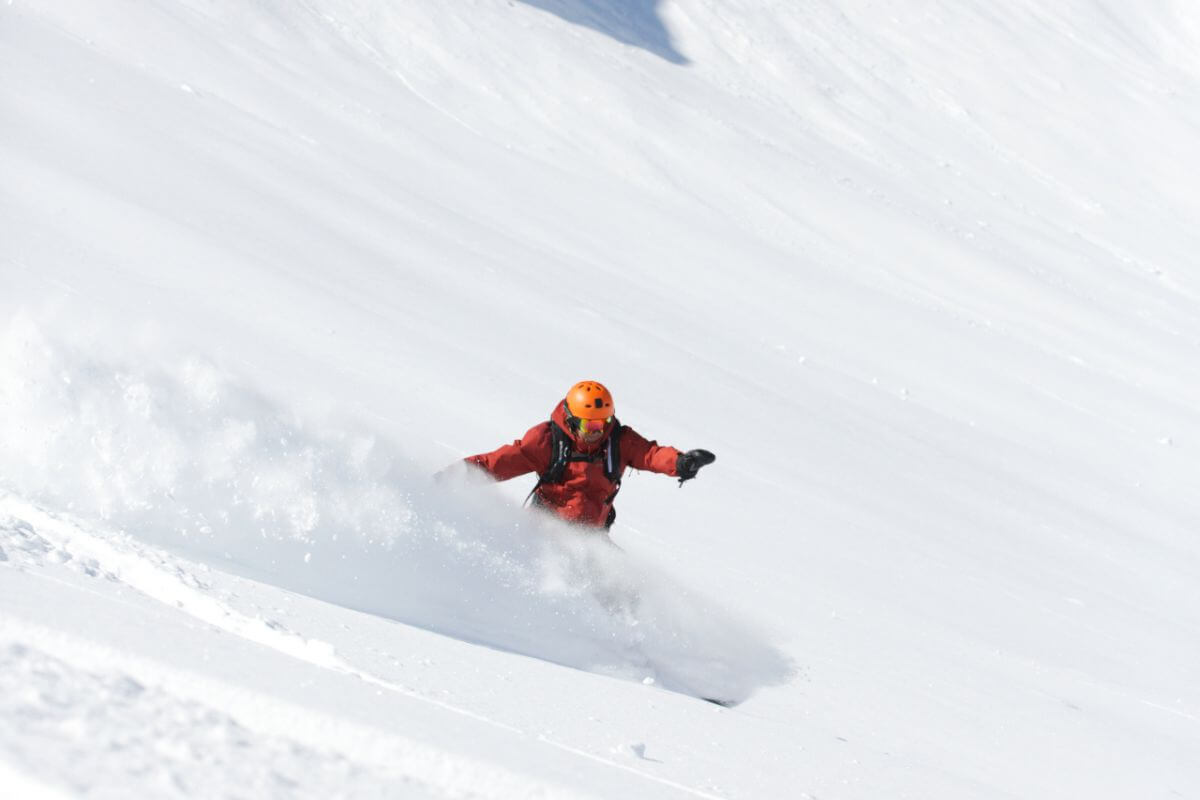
182	453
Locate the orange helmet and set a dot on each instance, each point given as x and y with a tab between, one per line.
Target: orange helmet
589	400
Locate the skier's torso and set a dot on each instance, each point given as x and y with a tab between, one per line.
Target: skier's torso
585	493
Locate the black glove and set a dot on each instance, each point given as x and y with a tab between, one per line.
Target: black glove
689	463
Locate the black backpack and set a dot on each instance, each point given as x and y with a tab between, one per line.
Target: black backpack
562	452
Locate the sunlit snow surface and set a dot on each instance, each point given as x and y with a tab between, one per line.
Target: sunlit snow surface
923	277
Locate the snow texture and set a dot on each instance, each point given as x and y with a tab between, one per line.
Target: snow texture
922	277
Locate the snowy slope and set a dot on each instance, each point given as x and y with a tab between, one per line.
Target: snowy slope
922	277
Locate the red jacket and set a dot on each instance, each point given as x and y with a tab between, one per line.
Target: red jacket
585	493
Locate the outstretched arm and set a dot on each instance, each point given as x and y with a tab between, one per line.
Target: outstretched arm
650	455
641	453
528	454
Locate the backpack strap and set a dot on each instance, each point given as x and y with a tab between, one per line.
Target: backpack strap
560	452
612	460
612	453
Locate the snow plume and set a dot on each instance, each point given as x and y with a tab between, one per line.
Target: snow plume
181	453
176	444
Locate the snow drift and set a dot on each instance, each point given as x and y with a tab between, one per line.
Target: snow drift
185	455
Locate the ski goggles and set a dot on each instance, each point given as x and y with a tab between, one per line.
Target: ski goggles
591	425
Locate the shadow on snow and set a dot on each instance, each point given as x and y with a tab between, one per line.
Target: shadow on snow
632	22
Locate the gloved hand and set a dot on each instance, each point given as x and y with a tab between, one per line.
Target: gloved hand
689	463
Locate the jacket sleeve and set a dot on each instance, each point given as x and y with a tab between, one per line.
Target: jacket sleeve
639	453
528	454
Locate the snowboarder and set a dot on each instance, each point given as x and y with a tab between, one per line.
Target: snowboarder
580	455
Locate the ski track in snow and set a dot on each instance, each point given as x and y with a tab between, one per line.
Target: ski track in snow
54	713
85	712
34	537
